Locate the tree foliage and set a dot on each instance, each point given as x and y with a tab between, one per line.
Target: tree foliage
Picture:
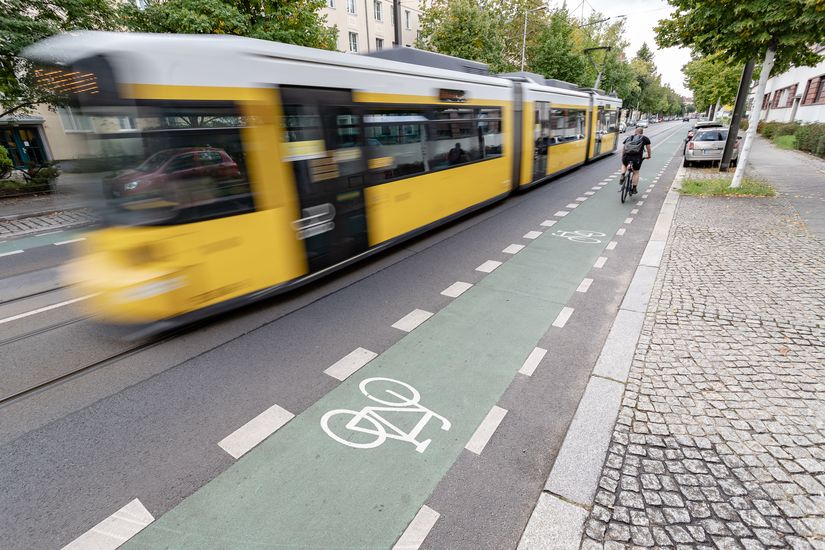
291	21
739	30
553	53
710	78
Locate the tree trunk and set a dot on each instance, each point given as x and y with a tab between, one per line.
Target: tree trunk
753	120
716	109
738	111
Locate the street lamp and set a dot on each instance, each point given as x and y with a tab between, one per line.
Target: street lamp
524	36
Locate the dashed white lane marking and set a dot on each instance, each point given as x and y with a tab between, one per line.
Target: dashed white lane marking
584	286
644	196
563	317
589	193
514	248
561	213
456	289
611	245
548	223
600	262
596	187
242	440
488	266
621	231
486	430
70	241
532	235
115	530
628	220
640	203
410	321
572	205
12	253
634	211
413	536
350	363
581	199
45	308
532	361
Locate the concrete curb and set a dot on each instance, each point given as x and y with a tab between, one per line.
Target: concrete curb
558	520
13	217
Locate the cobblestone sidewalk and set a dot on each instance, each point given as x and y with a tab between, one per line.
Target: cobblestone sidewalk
54	220
720	441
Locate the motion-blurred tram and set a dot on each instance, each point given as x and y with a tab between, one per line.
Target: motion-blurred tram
240	168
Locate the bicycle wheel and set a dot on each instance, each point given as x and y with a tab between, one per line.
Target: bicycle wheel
379	432
626	186
403	394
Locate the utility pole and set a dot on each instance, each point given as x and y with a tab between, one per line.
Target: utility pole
396	11
587	52
738	111
524	34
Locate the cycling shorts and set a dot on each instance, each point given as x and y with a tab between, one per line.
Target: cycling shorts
636	160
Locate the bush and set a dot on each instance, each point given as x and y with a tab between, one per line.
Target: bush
809	138
785	142
6	165
743	124
773	129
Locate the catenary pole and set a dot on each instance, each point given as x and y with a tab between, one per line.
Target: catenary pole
738	111
753	120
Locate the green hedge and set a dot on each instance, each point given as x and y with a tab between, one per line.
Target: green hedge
809	137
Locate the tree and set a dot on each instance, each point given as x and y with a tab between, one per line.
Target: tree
780	32
711	78
291	21
462	28
24	22
552	54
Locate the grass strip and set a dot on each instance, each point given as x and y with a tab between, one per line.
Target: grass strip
720	187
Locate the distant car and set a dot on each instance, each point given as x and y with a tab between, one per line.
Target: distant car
171	165
707	145
642	123
685	119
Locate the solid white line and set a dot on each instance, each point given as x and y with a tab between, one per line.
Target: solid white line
548	223
12	253
411	320
634	211
589	193
46	308
115	530
456	289
628	220
488	266
70	241
418	529
584	286
242	440
532	361
581	199
640	203
486	430
600	262
561	213
350	363
514	248
611	245
563	317
50	233
621	231
572	205
532	235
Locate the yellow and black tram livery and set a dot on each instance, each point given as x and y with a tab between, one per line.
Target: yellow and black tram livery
239	168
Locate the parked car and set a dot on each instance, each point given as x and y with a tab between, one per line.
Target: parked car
707	145
642	123
708	124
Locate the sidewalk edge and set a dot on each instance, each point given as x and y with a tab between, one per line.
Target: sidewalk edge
558	521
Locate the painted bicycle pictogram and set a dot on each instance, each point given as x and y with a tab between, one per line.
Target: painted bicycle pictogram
580	236
399	397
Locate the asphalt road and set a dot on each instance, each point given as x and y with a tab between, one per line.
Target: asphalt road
143	420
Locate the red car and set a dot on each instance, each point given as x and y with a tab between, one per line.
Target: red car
173	165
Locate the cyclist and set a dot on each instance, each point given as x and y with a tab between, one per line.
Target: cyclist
633	151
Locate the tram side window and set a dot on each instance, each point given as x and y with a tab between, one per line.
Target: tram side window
182	164
612	121
395	145
566	125
459	136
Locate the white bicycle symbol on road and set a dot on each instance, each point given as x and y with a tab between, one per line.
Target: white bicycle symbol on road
580	236
401	398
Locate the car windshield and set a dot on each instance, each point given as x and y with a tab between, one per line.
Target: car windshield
712	135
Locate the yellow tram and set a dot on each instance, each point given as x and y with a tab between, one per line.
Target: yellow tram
241	168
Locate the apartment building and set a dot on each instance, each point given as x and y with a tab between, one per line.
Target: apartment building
369	25
796	95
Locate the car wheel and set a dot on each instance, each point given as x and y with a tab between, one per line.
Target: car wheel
686	163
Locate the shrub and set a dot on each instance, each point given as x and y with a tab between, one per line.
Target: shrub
6	165
41	175
809	137
785	142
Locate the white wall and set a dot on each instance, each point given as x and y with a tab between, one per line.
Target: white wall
799	76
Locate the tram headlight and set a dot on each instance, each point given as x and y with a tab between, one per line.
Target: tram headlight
131	185
152	289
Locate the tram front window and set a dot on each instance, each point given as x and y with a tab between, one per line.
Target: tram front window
171	164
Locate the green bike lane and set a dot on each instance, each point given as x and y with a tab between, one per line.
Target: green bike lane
302	488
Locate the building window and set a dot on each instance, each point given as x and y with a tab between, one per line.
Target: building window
765	101
378	7
815	91
407	19
73	121
379	43
331	3
351	7
353	42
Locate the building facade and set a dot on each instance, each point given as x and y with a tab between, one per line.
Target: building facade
369	25
796	95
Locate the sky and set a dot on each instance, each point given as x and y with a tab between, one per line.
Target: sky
642	17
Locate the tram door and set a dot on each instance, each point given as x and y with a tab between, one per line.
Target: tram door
601	128
541	134
325	146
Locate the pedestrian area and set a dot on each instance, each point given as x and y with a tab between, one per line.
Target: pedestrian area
720	440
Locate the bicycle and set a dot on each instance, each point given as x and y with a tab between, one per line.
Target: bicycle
627	182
